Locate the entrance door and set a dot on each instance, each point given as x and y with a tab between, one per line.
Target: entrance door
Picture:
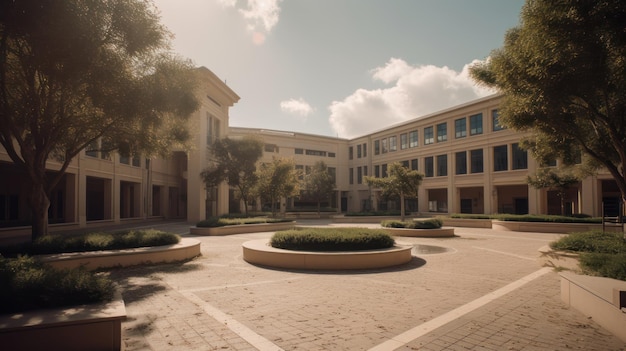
466	205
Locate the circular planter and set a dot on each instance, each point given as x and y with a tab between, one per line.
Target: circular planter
261	253
444	232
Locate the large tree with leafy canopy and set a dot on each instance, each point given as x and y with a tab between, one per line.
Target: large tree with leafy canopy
562	75
319	184
236	164
401	182
75	73
277	179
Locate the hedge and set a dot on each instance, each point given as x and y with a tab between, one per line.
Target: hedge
331	239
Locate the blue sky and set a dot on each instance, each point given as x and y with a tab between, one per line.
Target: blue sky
339	67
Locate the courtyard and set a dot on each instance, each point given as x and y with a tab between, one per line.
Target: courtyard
483	290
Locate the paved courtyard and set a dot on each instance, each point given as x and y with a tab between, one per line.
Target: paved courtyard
485	292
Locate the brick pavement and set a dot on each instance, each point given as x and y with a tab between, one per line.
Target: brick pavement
218	301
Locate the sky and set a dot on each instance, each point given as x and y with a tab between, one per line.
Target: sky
340	68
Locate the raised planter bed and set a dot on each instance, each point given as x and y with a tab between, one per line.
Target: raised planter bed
186	249
86	327
241	228
544	227
467	222
443	232
602	299
261	253
363	219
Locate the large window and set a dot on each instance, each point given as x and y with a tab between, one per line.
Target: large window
364	150
428	136
414	164
442	165
495	116
404	141
461	162
476	124
359	175
377	171
500	158
393	143
442	132
477	160
385	145
460	128
413	139
519	156
358	151
351	176
429	169
384	170
350	152
213	126
376	147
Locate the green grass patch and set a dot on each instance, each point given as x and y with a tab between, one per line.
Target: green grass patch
56	243
26	284
373	213
601	253
222	222
430	223
331	239
470	216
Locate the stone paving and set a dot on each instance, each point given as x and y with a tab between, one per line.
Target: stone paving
220	302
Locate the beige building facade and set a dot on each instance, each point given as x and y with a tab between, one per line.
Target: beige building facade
471	165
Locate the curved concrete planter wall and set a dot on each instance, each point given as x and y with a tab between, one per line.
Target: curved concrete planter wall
466	222
444	232
242	228
544	227
87	327
186	249
363	219
261	253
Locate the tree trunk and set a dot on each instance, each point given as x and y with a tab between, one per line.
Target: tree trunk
39	204
402	206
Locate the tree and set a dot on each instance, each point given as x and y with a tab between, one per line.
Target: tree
562	75
276	180
401	182
77	72
552	179
319	184
236	164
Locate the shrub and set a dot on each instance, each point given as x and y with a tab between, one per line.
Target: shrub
470	216
375	213
51	244
26	284
213	222
605	265
545	218
431	223
331	239
592	241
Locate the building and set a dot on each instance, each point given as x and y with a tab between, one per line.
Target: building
471	165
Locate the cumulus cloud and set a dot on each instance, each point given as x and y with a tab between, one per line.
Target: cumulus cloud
261	16
416	91
296	106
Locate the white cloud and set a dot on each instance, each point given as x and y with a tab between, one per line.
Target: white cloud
418	91
261	16
298	107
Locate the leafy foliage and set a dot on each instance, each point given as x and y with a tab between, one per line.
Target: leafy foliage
236	164
82	73
578	218
605	265
331	239
560	181
221	222
26	284
430	223
277	179
319	185
562	74
401	182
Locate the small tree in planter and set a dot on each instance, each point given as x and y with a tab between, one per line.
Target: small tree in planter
277	179
401	182
561	182
319	184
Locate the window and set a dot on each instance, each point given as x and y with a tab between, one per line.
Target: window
428	136
428	166
351	176
405	164
333	173
358	151
124	159
212	129
500	158
365	171
359	175
136	161
476	158
476	124
299	151
376	147
364	150
350	152
404	141
413	139
495	121
460	128
384	170
442	132
92	149
315	153
393	143
442	165
271	148
331	154
377	171
385	146
414	164
461	162
519	156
